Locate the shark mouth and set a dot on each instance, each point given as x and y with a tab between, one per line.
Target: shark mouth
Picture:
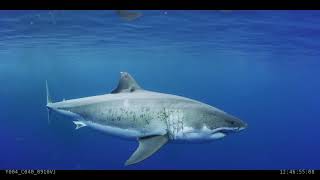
223	131
227	130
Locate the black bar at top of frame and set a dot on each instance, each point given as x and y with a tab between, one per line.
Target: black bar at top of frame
160	4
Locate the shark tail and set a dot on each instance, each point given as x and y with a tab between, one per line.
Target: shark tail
48	94
49	101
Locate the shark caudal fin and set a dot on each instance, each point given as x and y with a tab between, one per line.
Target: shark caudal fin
48	94
48	101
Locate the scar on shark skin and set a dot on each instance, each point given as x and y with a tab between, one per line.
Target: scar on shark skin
128	15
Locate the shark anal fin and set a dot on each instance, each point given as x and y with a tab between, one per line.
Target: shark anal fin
79	124
147	147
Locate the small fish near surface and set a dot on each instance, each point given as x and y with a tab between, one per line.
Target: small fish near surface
151	118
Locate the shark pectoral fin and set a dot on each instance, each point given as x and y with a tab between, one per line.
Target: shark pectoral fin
147	146
79	124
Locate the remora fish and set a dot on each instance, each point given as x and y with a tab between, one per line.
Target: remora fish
150	117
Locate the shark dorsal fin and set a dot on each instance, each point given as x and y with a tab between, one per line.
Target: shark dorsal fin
126	84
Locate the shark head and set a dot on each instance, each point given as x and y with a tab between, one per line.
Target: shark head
216	125
221	124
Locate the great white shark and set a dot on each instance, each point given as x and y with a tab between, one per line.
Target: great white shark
151	118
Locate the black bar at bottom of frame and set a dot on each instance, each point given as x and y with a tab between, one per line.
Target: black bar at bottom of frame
162	173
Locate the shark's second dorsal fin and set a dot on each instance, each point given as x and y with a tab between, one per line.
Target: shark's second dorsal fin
126	84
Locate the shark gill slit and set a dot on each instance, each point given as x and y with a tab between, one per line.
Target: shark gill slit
174	122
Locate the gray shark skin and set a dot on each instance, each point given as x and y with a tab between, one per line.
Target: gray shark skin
152	118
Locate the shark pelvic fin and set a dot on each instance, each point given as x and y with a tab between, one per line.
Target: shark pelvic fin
79	124
147	146
126	84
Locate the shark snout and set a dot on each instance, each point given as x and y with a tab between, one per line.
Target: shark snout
244	126
237	124
241	125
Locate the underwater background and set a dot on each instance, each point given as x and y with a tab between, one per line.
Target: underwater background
261	66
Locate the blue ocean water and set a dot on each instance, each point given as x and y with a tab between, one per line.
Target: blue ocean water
261	66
